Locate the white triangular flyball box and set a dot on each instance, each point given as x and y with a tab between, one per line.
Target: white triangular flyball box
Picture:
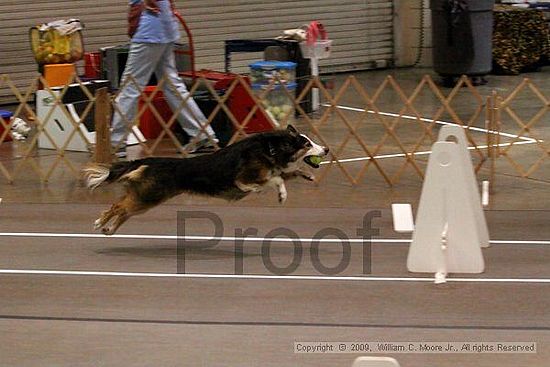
450	227
454	132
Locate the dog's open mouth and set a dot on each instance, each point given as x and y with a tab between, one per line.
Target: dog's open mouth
313	160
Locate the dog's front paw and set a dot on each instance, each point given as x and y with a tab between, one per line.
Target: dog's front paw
282	198
308	176
282	194
248	187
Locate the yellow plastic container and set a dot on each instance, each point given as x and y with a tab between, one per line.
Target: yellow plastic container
50	47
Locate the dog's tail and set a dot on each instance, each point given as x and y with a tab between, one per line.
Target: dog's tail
97	174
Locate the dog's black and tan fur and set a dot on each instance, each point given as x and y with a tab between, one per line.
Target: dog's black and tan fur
264	159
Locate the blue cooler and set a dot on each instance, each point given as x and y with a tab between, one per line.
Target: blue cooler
263	72
6	116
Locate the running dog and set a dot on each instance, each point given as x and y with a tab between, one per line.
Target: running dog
261	160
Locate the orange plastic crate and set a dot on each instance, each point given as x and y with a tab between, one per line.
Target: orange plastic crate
59	74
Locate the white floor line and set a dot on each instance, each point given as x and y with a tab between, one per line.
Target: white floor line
525	140
426	152
262	277
409	117
233	239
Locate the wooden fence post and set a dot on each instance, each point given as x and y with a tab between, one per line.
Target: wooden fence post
102	126
492	132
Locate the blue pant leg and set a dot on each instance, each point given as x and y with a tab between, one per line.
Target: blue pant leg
142	61
190	116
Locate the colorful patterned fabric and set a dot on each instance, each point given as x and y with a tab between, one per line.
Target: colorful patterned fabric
521	39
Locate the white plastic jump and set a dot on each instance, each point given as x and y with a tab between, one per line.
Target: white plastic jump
402	218
375	362
450	225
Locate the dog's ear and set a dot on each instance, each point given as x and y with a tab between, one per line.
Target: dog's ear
292	130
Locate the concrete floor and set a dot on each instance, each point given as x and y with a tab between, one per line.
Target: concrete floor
140	312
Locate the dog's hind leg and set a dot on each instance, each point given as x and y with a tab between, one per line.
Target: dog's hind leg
105	217
108	214
123	210
117	222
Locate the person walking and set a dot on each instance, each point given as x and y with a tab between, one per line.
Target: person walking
153	29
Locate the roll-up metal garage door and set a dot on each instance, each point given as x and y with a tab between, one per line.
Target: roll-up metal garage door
361	29
105	22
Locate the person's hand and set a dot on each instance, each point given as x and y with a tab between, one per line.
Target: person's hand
152	6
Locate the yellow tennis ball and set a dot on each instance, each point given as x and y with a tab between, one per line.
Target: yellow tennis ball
315	159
